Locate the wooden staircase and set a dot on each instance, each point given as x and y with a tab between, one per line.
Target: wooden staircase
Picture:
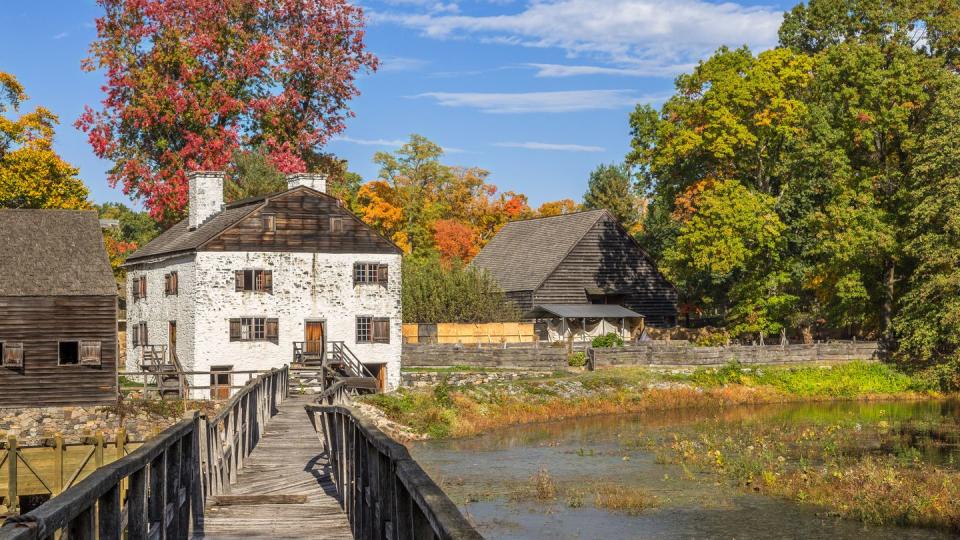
343	372
168	373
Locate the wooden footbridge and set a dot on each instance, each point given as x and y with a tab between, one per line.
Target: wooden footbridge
267	465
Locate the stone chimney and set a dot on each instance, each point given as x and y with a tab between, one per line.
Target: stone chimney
206	196
313	181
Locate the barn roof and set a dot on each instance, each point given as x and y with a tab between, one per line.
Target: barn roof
524	253
53	253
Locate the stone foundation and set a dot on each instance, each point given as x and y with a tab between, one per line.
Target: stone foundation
32	425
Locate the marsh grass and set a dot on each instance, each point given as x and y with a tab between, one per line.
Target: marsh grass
858	471
541	487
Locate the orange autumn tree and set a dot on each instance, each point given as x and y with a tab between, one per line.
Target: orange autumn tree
455	240
558	208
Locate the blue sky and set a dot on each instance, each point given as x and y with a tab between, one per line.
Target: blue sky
538	92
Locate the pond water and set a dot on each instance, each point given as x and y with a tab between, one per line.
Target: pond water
484	474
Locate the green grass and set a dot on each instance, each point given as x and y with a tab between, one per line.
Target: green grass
842	381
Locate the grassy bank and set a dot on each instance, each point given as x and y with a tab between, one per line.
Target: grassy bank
446	411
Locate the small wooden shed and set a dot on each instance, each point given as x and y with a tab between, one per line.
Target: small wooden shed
58	310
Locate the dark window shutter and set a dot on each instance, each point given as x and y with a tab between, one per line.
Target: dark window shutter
144	338
234	329
268	281
382	275
89	353
381	330
12	354
135	335
238	278
356	273
273	329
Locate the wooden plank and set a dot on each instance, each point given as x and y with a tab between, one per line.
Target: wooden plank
279	498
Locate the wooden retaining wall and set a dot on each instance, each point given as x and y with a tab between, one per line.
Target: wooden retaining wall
671	353
469	334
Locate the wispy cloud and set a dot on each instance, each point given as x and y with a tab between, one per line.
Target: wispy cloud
395	143
61	35
389	143
390	64
542	102
551	146
658	35
648	70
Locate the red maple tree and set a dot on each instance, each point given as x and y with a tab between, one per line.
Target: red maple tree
188	82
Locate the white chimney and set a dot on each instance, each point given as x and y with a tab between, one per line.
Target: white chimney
313	181
206	196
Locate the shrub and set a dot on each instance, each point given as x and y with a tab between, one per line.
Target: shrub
712	339
577	359
433	292
610	339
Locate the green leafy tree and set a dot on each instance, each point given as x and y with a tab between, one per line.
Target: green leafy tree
435	292
610	187
252	175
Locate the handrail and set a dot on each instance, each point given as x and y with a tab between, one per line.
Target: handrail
382	489
159	490
339	350
162	492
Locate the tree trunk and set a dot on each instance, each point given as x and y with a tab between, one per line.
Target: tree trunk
886	309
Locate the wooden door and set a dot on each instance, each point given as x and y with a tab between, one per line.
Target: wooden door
313	337
172	339
220	382
380	372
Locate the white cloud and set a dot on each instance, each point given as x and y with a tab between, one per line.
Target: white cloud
395	143
639	34
390	64
530	102
61	35
649	70
551	146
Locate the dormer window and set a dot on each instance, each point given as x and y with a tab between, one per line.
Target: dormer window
269	223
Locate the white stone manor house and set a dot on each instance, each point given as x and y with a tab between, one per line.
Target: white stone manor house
259	283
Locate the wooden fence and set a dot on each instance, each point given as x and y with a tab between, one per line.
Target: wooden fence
469	334
159	489
383	490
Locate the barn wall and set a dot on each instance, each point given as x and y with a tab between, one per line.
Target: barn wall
39	322
607	258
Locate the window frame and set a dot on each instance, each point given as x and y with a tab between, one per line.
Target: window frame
139	334
60	343
98	361
371	273
372	336
261	280
253	329
336	224
5	348
268	222
171	284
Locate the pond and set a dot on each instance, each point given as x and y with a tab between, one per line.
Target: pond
499	479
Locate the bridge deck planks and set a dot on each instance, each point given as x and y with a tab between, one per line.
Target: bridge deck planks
286	461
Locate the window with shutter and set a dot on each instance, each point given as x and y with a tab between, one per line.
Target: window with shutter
363	330
11	354
238	278
89	353
336	224
381	330
382	274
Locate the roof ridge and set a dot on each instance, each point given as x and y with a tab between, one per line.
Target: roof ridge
579	212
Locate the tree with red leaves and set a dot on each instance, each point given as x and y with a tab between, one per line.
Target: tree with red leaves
455	240
189	82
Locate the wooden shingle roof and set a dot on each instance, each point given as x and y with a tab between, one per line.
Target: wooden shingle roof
53	253
524	253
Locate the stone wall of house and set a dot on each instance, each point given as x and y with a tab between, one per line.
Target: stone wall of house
682	353
32	425
306	286
513	357
417	379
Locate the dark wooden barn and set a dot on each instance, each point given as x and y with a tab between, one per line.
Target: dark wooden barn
58	310
581	258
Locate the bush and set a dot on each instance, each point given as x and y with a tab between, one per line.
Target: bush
607	340
577	359
457	294
712	339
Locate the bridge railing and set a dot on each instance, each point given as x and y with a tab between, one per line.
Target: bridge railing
155	490
382	489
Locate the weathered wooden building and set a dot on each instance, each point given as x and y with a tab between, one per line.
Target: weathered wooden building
58	310
552	265
263	282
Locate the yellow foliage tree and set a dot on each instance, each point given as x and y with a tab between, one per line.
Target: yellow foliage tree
32	175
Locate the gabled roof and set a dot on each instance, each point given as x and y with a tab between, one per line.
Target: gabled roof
53	253
524	253
180	238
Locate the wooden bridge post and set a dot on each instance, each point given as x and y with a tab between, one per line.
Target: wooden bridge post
120	444
98	449
58	457
13	503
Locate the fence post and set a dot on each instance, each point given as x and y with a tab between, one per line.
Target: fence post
98	452
58	463
13	506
